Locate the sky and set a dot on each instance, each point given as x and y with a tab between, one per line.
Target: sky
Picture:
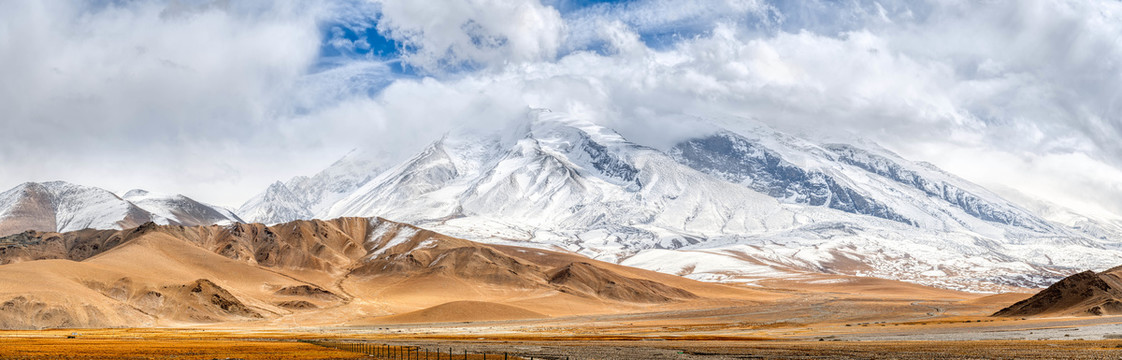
217	99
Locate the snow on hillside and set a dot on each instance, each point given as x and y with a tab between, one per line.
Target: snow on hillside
738	204
302	197
179	209
61	206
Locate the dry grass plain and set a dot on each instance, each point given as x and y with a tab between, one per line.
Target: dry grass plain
154	344
204	344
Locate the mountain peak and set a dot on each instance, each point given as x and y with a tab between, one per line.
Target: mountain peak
134	193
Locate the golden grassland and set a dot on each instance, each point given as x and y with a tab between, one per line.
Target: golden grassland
246	344
125	348
196	344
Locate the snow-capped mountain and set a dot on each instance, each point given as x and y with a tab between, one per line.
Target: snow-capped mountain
61	206
302	197
858	181
738	204
179	209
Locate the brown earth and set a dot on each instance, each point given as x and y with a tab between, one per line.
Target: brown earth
1085	293
313	273
462	311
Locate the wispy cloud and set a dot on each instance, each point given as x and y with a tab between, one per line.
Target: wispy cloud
472	33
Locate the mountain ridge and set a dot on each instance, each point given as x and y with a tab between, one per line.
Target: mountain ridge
62	206
559	181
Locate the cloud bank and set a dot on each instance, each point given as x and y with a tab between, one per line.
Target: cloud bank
1019	94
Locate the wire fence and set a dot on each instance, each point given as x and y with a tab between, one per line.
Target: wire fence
409	352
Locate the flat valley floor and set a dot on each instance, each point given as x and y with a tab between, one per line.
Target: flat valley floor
193	344
629	336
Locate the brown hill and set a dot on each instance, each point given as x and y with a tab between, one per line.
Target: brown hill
342	271
588	279
462	311
1085	293
75	245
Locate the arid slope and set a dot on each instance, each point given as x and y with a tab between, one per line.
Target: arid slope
347	271
1082	294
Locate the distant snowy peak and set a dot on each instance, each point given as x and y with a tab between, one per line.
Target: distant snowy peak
62	206
135	193
277	204
596	149
302	197
179	209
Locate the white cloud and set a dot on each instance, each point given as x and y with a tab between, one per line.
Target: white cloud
100	93
1021	93
665	16
453	33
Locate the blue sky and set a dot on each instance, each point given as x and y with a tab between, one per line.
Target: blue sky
1017	95
356	37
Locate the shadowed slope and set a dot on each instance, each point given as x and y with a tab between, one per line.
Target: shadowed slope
587	279
1085	293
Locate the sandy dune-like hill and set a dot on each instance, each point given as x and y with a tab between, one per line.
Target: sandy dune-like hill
1082	294
463	311
346	271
